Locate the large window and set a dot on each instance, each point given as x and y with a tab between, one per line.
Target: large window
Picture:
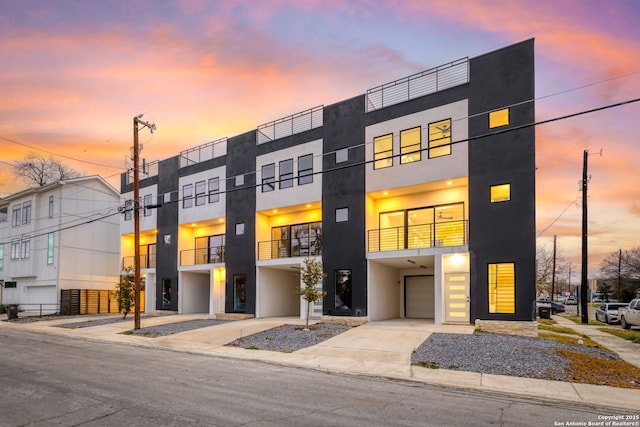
201	198
15	250
209	249
50	249
268	177
15	215
214	190
383	151
26	212
297	240
502	288
286	173
410	145
440	138
187	196
305	169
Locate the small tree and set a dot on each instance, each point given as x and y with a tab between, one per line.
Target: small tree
126	293
310	274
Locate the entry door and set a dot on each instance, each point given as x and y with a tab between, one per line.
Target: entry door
456	297
419	300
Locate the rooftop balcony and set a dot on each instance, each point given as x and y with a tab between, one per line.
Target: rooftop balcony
212	255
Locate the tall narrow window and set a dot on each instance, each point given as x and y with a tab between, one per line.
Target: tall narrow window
343	289
187	196
502	288
268	177
286	173
305	169
239	292
147	201
26	212
128	210
25	249
440	138
15	250
410	145
15	215
383	151
50	206
50	249
214	190
1	257
201	197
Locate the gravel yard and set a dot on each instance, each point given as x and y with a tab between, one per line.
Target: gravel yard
174	328
289	338
501	355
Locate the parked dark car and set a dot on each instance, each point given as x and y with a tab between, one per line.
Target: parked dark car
608	312
554	306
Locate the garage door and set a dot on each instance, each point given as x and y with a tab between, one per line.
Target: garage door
419	297
45	295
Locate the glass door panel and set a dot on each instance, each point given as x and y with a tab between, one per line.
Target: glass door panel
420	228
392	231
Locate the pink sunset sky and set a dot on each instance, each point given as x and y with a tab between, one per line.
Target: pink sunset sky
74	74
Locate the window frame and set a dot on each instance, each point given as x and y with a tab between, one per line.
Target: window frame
493	278
26	212
286	177
444	143
200	191
268	177
25	249
16	215
187	196
404	155
1	256
50	248
51	206
15	250
214	189
494	199
305	174
147	201
380	156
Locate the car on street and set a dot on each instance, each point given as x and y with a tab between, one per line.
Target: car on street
608	312
571	301
554	306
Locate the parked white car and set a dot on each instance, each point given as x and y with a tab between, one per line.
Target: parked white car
608	312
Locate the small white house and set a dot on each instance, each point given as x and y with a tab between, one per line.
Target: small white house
63	235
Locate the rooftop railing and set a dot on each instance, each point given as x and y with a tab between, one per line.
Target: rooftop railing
203	152
430	81
299	122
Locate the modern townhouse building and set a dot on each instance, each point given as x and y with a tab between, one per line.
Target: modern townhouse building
418	197
59	236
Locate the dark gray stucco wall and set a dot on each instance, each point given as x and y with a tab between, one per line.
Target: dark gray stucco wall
502	232
343	245
241	208
167	252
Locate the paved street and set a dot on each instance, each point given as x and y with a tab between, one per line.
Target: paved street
54	380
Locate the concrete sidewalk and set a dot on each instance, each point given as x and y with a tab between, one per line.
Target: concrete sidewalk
381	349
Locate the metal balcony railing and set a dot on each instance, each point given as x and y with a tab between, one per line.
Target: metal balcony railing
441	234
430	81
274	249
145	261
203	152
211	255
296	123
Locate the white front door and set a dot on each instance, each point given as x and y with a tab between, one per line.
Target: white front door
419	297
456	296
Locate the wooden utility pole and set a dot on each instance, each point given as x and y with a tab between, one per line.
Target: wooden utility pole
553	271
619	274
136	214
584	284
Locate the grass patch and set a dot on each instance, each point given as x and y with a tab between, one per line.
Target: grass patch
578	320
547	322
127	333
429	365
569	339
252	347
560	330
627	334
584	368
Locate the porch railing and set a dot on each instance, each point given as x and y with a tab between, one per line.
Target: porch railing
145	261
441	234
200	256
274	249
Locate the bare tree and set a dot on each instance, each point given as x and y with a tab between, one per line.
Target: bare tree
621	269
38	170
544	270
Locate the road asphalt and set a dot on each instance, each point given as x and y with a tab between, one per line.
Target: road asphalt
381	349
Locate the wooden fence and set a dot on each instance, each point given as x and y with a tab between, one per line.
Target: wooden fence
91	301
